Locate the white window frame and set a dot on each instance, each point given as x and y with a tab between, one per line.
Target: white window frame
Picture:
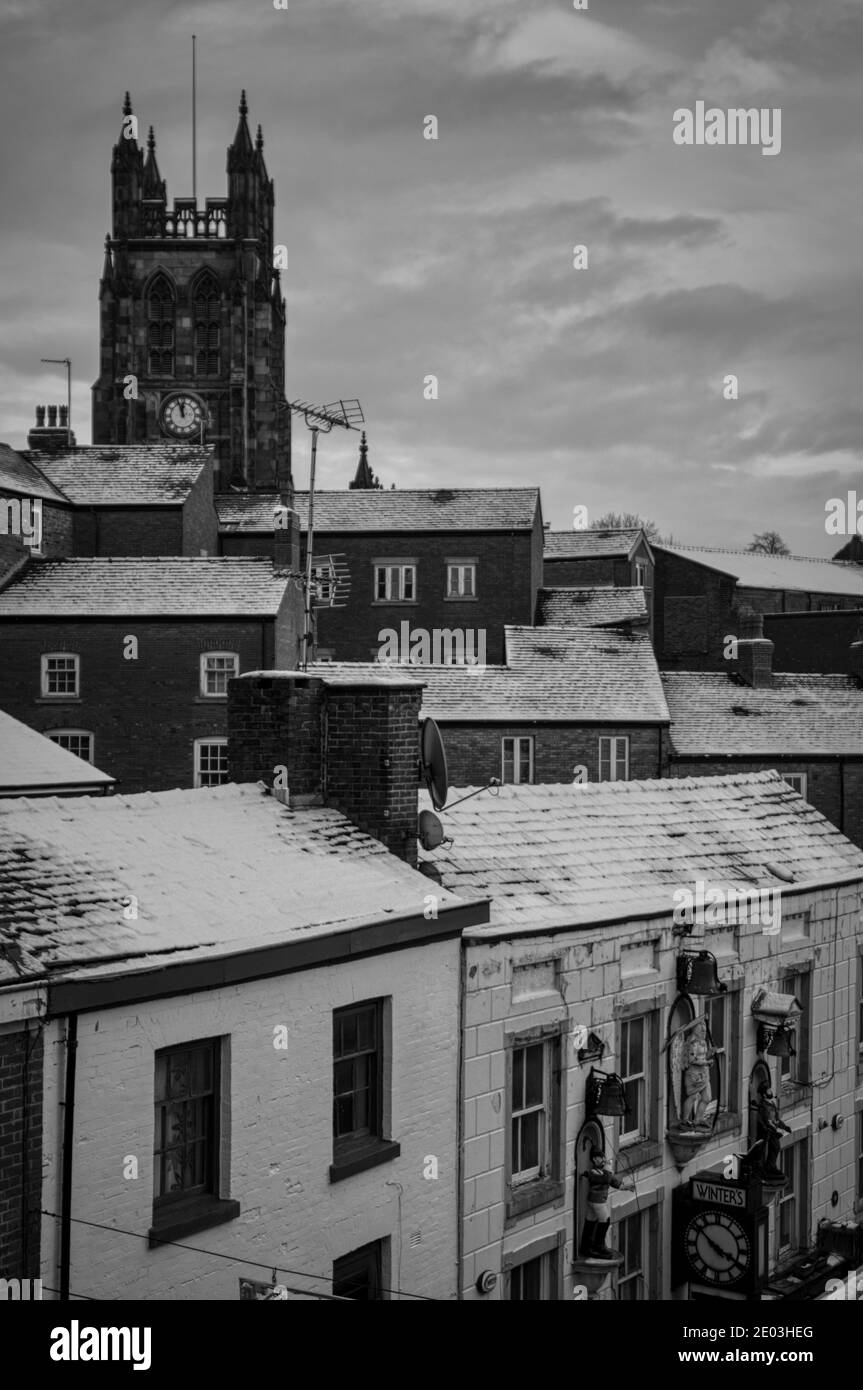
802	778
640	574
796	1192
543	1108
323	583
642	1131
611	760
461	569
200	743
220	656
56	734
516	740
398	568
58	694
641	1274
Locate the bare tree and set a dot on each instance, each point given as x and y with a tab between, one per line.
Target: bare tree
768	543
626	521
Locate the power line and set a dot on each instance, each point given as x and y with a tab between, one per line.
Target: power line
237	1259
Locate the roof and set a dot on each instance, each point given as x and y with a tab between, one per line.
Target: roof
553	674
214	871
753	570
30	763
152	586
112	475
799	715
391	509
590	607
592	544
18	474
605	851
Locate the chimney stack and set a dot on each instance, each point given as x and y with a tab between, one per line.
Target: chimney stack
51	438
328	741
286	539
754	651
856	656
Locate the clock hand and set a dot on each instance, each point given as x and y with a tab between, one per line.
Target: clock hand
719	1249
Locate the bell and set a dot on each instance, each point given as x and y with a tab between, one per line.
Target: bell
696	973
782	1044
604	1094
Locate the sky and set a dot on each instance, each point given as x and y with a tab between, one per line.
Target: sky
453	258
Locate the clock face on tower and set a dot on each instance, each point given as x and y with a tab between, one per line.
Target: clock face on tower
182	415
717	1248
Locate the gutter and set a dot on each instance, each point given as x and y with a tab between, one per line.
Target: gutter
68	1137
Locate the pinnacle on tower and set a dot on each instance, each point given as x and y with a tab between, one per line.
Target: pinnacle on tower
364	477
153	185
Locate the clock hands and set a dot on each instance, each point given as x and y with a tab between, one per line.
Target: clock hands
719	1249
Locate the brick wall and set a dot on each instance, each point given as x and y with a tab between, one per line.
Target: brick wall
129	530
200	520
56	528
145	714
694	610
277	1126
792	600
814	642
21	1057
593	978
473	751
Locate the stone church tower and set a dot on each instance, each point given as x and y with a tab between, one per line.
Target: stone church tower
191	310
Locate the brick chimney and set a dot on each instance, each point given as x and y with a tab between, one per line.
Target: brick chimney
856	656
754	651
286	539
51	438
353	746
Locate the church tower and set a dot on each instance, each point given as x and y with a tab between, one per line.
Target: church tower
192	318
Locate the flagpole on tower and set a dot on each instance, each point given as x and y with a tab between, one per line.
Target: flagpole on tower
194	128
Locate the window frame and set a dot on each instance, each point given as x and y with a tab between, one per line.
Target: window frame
796	1192
44	673
462	565
626	1276
209	740
373	1254
797	980
550	1250
641	1077
612	760
649	1146
366	1147
55	734
403	564
165	324
802	778
516	740
730	1116
203	692
528	1193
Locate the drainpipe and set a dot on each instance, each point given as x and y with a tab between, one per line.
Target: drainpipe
68	1137
459	1126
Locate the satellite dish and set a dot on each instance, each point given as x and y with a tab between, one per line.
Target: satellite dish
430	832
433	763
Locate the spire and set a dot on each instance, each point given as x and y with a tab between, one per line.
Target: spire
241	152
259	140
153	185
364	477
127	105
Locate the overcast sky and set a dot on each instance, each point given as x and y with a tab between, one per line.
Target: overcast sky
410	257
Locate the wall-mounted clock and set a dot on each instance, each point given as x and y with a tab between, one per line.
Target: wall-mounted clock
717	1247
182	415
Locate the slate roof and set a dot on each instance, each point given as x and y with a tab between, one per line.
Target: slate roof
111	475
214	871
19	475
590	607
31	764
602	851
755	571
800	715
553	675
151	586
393	509
587	545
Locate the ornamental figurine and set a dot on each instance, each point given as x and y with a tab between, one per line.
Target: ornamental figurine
697	1090
600	1177
771	1128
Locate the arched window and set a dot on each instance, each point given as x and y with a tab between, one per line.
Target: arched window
208	320
160	327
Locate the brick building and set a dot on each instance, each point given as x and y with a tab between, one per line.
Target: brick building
569	703
192	318
32	765
813	641
258	954
125	662
809	727
617	558
48	530
466	561
579	968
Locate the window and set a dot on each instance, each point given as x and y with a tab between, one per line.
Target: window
207	326
532	1275
517	759
356	1072
461	579
160	327
395	582
722	1013
614	759
77	741
184	1152
634	1043
61	673
860	1011
534	1109
529	1111
216	670
631	1237
322	583
359	1275
795	1070
791	1222
211	762
640	574
797	781
829	607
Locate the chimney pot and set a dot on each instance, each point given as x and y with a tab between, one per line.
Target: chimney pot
40	417
52	417
64	412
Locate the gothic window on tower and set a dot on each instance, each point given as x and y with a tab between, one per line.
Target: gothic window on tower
160	327
208	320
